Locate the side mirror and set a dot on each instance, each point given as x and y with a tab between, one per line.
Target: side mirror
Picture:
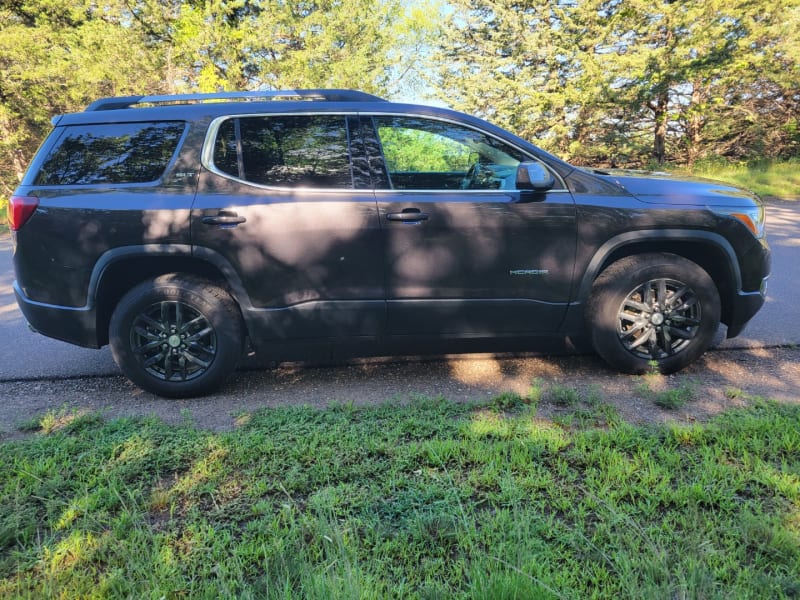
534	176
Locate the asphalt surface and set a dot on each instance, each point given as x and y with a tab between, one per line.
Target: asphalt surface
27	356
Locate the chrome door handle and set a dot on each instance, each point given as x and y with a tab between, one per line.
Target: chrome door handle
408	215
224	218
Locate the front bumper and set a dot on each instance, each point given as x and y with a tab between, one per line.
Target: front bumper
744	307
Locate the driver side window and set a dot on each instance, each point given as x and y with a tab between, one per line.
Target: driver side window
423	154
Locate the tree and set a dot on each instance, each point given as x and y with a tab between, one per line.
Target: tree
677	65
240	44
512	61
628	81
57	56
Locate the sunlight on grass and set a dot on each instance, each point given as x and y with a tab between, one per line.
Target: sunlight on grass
546	433
687	435
209	468
490	424
54	420
785	484
77	508
766	178
68	553
430	499
134	449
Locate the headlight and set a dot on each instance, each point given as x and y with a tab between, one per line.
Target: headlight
753	217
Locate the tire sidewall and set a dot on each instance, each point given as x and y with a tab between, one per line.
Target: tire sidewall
212	302
620	279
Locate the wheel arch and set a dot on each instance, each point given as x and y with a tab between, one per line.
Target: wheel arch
121	269
710	251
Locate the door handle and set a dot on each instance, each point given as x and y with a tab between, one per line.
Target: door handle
224	218
408	215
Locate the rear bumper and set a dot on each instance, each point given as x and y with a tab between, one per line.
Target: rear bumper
73	325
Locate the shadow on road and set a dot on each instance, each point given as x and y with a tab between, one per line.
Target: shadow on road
719	381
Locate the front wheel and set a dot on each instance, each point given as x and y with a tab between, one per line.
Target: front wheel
176	336
653	310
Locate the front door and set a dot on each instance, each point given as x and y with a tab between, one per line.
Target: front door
467	254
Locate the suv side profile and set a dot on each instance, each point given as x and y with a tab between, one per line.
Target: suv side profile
182	230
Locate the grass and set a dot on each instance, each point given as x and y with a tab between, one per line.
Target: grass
430	500
670	397
776	179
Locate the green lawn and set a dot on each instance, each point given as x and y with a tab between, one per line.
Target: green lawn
769	179
430	500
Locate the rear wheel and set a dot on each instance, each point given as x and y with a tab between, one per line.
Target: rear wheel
176	336
653	310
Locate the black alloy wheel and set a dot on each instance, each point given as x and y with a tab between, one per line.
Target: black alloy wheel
176	336
659	318
173	341
653	310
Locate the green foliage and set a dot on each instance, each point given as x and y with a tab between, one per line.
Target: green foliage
580	409
563	395
625	83
432	499
768	178
58	56
670	393
601	83
675	398
415	150
55	57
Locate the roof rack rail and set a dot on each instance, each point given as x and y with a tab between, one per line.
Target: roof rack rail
336	95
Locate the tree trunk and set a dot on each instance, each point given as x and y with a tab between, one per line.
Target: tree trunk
659	108
696	121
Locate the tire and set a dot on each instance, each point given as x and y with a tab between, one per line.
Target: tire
176	336
653	310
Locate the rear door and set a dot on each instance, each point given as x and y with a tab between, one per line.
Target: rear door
282	212
467	254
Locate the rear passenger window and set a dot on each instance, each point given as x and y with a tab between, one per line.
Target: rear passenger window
118	153
285	151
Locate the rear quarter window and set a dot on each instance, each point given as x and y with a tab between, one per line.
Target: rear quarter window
111	154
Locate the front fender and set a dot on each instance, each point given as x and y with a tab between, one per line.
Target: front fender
684	242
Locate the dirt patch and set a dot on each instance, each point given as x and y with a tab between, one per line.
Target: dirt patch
721	380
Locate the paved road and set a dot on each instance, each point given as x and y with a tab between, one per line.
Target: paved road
25	355
778	322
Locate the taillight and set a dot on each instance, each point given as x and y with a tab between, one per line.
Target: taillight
20	209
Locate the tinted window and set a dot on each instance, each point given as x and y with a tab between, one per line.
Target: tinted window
428	154
226	156
365	155
285	151
119	153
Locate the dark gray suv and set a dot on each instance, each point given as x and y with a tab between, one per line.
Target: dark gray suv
318	223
